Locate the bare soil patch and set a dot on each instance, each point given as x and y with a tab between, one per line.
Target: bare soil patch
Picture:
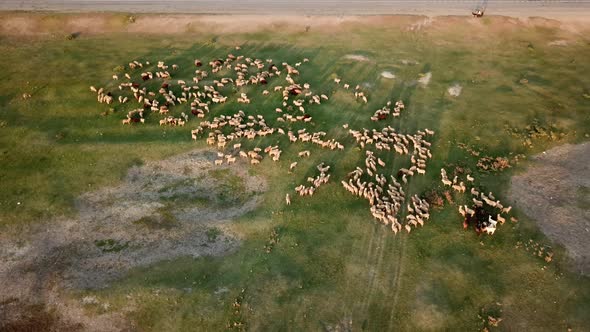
162	210
388	75
356	57
33	24
555	191
455	90
425	79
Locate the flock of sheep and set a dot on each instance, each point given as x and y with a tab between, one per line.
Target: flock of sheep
230	76
482	211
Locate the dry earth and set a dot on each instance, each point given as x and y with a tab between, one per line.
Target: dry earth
34	24
120	228
562	9
555	191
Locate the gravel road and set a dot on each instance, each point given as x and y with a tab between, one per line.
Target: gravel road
555	8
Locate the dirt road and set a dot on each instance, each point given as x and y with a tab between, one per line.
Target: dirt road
553	9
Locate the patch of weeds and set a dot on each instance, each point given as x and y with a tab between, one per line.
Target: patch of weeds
136	162
435	198
237	321
61	135
212	234
164	219
111	245
72	36
230	188
535	130
272	240
504	89
493	164
490	316
176	185
583	197
531	47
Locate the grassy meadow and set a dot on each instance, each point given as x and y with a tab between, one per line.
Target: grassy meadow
331	262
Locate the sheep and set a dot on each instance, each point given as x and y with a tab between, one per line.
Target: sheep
292	166
218	162
492	221
507	209
462	210
305	153
470	178
288	199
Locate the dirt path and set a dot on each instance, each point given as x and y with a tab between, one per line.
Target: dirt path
48	24
555	191
554	9
177	207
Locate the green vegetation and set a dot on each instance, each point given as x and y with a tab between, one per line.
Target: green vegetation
164	219
328	261
212	234
110	245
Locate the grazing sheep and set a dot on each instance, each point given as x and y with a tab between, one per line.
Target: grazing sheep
305	153
288	199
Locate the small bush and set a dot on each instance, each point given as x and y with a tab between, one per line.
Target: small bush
212	234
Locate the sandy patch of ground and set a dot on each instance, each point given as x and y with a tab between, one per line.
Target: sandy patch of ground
425	78
20	23
356	57
421	24
455	90
162	210
388	74
560	42
555	191
409	62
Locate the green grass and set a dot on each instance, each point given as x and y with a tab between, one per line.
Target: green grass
329	260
